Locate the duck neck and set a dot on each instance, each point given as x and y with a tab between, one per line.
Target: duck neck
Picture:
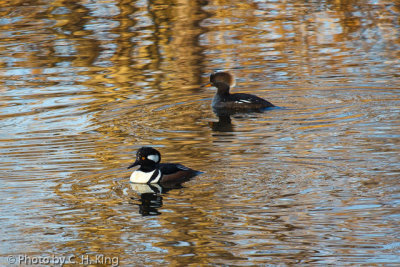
148	168
223	89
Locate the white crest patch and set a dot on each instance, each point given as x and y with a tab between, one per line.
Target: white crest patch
154	158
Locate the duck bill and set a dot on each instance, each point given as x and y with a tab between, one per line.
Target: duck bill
134	164
207	85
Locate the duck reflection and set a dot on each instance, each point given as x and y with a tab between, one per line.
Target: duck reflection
224	124
150	196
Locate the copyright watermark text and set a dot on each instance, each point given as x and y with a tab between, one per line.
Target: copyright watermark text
61	260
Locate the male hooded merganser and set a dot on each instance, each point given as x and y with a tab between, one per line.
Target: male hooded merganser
240	101
151	171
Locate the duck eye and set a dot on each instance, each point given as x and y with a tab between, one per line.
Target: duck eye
143	158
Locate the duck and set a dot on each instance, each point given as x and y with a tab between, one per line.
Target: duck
224	100
151	171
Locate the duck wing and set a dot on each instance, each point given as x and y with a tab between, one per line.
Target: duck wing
169	168
243	98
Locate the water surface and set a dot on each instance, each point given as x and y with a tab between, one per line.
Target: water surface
85	84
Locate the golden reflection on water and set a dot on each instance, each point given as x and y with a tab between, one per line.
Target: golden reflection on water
85	83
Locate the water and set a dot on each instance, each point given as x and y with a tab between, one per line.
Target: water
85	84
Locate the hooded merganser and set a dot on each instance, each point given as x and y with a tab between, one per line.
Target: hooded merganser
240	101
151	171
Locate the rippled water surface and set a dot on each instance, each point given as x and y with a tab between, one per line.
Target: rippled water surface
84	84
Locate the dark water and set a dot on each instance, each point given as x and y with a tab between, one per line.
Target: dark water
84	84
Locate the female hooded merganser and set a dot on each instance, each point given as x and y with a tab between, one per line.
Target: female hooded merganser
240	101
151	171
